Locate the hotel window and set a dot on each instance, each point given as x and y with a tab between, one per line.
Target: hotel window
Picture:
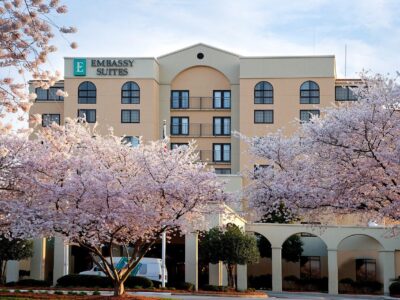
88	114
49	94
263	93
306	115
222	126
309	93
179	125
87	93
222	99
177	145
179	99
130	93
130	116
221	152
344	93
310	267
365	269
264	116
221	171
48	119
132	141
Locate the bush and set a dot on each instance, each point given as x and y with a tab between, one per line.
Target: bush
30	283
99	281
215	288
394	288
373	286
187	286
82	294
58	293
261	282
346	281
96	293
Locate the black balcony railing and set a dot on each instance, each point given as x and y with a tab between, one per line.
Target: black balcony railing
199	130
201	103
214	157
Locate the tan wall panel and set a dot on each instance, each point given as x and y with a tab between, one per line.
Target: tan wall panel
108	106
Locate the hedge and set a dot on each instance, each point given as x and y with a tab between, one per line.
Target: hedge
215	288
29	283
394	288
99	281
187	286
261	282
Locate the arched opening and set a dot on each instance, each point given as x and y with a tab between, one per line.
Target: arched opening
359	268
304	263
260	274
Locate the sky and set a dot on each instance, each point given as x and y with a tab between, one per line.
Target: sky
369	28
151	28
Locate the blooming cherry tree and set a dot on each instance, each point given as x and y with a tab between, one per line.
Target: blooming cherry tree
95	191
347	161
26	31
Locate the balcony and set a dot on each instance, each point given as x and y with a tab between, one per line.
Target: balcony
198	130
201	103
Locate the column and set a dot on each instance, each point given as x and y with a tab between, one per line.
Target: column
332	272
38	259
215	273
387	262
191	259
277	269
12	271
61	259
242	277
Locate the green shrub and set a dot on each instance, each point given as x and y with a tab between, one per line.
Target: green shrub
96	293
394	288
261	282
215	288
5	291
291	278
30	283
92	281
17	291
346	281
138	287
186	286
373	286
82	293
72	293
58	293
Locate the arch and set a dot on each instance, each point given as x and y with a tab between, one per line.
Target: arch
87	93
355	235
309	92
263	93
305	263
359	261
130	93
195	75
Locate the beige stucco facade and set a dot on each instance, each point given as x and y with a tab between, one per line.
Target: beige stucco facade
200	71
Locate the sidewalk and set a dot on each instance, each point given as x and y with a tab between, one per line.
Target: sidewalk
322	296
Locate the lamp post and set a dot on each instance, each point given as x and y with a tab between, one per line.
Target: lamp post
164	234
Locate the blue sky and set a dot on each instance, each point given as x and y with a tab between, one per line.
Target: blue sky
370	28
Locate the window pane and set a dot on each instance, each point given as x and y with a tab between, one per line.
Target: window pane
258	116
41	94
185	126
227	153
217	126
217	153
227	126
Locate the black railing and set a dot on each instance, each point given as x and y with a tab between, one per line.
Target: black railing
199	130
199	103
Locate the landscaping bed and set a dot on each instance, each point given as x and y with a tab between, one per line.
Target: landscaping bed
30	295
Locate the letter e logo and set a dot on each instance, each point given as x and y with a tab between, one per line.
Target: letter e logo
79	66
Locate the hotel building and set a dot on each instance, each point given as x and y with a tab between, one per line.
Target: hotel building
204	94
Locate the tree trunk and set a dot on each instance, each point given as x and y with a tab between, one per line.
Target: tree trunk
119	288
3	266
231	278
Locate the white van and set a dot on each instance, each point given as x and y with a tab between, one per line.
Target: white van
148	267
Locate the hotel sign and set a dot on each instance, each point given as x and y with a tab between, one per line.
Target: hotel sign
103	67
